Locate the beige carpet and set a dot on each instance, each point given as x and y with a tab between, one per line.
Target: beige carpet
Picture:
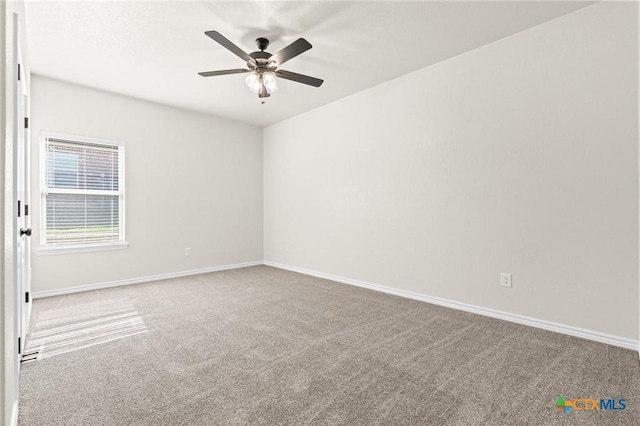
263	346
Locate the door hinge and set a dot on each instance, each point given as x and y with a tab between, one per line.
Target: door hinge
19	345
26	122
18	208
26	209
18	72
26	297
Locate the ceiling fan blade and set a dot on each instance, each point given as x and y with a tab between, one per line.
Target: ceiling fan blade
300	78
223	72
291	51
224	42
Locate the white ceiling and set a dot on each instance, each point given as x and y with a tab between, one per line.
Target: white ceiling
154	50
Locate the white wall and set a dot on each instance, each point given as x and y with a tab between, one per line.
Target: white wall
8	335
520	156
192	180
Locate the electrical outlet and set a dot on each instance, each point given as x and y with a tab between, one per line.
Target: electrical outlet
505	280
286	247
187	251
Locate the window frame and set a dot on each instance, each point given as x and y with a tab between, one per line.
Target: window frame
47	249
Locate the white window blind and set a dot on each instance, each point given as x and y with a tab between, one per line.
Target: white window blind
83	191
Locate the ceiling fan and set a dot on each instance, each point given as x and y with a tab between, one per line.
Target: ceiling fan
263	67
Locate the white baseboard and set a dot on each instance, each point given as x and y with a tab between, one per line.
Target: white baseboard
89	287
596	336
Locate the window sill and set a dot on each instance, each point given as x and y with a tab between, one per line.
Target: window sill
53	250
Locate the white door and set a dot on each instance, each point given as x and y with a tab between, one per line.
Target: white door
22	154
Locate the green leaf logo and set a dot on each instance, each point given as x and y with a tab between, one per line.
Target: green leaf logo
561	405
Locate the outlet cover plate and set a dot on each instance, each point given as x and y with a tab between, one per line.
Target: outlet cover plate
505	280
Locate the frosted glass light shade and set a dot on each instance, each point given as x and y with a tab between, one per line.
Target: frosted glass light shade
253	81
270	82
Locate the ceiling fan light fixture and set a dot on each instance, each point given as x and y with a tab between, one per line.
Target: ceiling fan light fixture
253	81
270	82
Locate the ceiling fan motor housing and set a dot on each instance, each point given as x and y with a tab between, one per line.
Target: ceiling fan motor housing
261	62
260	56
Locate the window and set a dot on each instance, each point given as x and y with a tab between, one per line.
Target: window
82	183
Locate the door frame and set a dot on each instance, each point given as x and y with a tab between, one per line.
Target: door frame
18	320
